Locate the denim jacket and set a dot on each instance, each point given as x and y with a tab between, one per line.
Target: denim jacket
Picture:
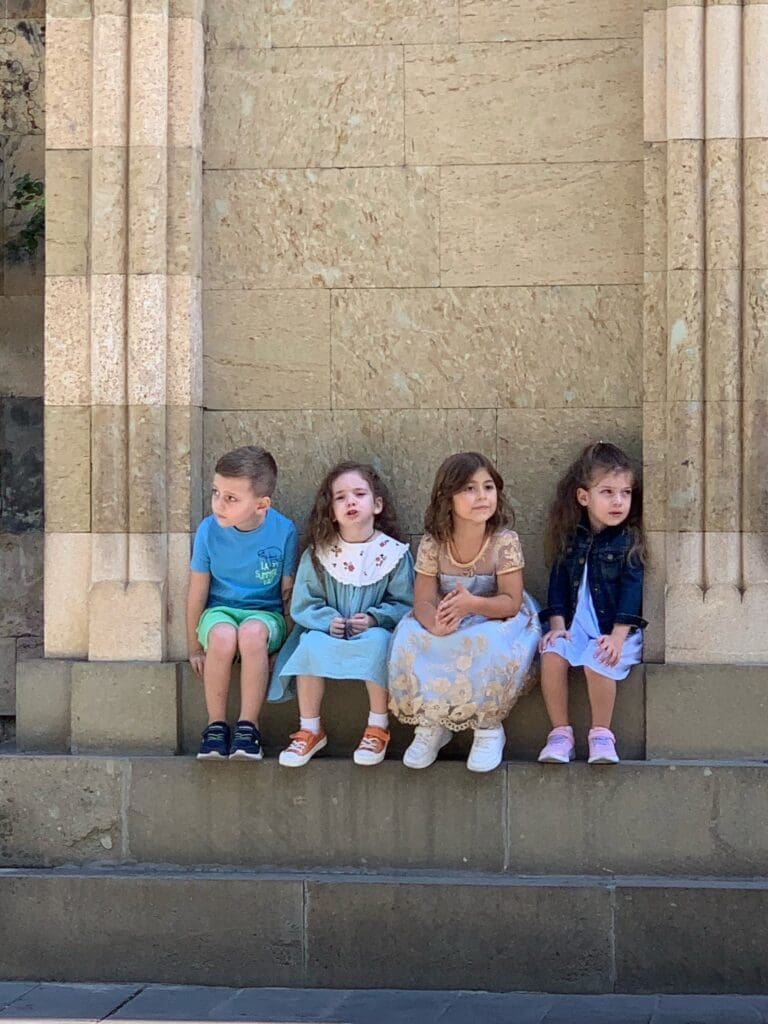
615	582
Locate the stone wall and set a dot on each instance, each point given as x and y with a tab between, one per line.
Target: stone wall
423	233
22	151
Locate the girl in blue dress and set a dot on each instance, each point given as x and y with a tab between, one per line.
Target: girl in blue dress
353	585
462	659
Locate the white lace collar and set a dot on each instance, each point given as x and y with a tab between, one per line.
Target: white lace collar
359	565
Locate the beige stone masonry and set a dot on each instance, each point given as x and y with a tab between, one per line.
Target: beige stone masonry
348	23
68	89
549	19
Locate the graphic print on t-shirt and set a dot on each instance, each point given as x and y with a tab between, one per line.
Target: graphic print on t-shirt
268	569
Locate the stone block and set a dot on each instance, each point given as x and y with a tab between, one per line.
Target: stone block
655	207
68	469
262	942
685	72
489	104
147	339
67	176
67	579
406	449
186	60
548	224
685	323
362	227
185	212
500	20
61	810
723	161
504	933
228	23
654	594
109	458
21	458
127	621
147	209
21	570
67	88
21	345
755	473
685	461
268	350
7	676
344	107
24	99
70	8
79	1002
148	61
449	819
341	22
184	361
756	203
43	706
414	348
184	450
110	78
722	60
147	481
535	447
682	937
67	344
685	205
723	382
179	550
109	245
755	29
707	711
655	338
655	494
108	344
722	506
715	626
124	707
755	357
654	76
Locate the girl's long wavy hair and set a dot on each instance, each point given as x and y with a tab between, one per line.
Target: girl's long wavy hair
596	461
321	529
451	477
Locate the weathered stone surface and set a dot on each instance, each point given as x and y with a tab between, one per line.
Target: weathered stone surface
179	551
366	227
722	508
67	579
418	348
107	338
685	72
486	103
654	76
127	620
345	23
68	469
109	229
695	618
60	810
755	99
655	466
7	676
267	350
535	447
184	359
549	19
186	59
655	207
231	24
21	468
522	225
110	79
184	452
21	345
43	703
685	465
305	108
722	60
723	340
655	337
147	349
685	205
147	209
407	448
109	461
185	212
755	473
756	203
67	175
685	323
504	933
147	469
68	90
67	348
124	707
755	351
149	78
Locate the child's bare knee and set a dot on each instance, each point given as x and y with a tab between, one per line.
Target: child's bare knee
252	635
222	639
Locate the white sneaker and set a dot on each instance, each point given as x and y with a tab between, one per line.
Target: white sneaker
487	749
427	742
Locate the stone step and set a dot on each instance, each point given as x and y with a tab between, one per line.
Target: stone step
408	931
665	818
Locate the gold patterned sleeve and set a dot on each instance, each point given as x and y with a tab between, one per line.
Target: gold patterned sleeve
427	556
509	553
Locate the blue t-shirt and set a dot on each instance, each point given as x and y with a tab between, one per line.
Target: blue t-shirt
246	566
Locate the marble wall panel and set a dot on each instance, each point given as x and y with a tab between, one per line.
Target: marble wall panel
266	350
536	446
308	107
550	19
487	347
570	224
363	227
405	446
502	103
351	23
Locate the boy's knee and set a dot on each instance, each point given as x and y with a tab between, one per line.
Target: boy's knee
222	639
253	634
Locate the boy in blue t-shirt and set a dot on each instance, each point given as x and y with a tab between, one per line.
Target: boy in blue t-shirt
240	582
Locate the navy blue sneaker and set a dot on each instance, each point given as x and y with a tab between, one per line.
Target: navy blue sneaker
214	745
246	743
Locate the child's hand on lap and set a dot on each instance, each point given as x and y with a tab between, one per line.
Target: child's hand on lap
455	606
359	623
550	637
609	648
338	627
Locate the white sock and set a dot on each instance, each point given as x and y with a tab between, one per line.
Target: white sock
382	721
310	724
495	730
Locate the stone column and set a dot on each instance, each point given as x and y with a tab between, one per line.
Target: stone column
123	324
706	351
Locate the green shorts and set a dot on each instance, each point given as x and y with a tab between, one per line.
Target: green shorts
274	622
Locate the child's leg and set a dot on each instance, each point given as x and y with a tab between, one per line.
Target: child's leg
602	698
310	690
378	698
219	655
310	737
554	688
253	640
372	748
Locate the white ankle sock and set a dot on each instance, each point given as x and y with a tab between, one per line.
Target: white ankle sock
382	721
311	724
495	731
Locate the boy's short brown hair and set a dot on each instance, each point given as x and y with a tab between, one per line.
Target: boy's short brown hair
251	463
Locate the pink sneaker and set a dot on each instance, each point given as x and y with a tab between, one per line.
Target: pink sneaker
560	748
602	747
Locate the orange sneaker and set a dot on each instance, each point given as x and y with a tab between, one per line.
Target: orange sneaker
304	745
373	746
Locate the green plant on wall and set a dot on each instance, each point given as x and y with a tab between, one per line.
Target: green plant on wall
27	196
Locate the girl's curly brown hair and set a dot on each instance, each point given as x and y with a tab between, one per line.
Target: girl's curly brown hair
595	461
451	477
321	530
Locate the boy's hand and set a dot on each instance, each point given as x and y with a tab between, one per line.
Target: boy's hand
338	627
551	636
197	661
359	623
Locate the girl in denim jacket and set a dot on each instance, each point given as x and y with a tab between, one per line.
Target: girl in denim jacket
596	544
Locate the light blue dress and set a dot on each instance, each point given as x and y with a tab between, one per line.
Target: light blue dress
582	647
375	577
471	678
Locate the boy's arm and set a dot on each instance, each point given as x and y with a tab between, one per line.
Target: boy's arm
197	596
286	592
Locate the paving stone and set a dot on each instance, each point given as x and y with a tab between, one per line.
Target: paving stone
601	1010
707	1010
70	1003
13	990
177	1002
